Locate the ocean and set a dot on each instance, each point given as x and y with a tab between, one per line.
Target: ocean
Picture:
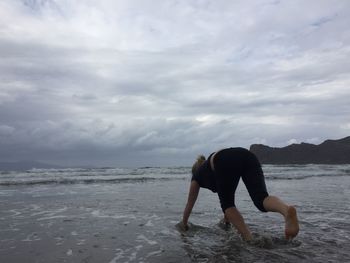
129	215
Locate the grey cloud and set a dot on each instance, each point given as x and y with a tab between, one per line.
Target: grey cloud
124	83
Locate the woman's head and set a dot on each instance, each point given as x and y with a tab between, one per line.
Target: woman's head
200	160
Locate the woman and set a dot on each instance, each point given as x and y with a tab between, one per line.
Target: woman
220	173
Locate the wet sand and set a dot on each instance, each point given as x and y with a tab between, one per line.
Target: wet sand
135	222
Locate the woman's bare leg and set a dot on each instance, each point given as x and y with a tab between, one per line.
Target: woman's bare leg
274	204
233	216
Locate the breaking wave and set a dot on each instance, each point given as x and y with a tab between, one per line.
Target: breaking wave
147	174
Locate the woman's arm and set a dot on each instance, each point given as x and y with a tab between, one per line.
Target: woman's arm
192	197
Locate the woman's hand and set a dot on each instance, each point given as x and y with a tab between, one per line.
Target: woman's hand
224	225
182	226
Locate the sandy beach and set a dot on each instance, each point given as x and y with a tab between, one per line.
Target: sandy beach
134	221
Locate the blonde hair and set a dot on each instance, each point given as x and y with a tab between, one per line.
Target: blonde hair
200	160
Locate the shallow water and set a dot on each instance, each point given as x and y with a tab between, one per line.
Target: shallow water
133	220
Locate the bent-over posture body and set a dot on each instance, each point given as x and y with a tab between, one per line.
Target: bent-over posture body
221	173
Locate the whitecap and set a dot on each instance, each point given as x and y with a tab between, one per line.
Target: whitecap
141	238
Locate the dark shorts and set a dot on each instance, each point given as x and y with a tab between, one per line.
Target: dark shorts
230	165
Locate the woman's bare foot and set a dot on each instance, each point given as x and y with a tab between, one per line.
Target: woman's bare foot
292	224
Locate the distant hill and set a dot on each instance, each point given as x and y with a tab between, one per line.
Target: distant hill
25	165
328	152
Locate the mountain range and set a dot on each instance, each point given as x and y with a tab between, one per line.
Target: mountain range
328	152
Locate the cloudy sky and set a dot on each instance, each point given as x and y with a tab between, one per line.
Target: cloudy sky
156	82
